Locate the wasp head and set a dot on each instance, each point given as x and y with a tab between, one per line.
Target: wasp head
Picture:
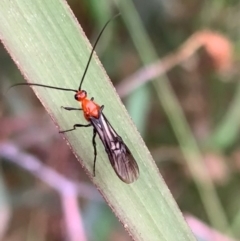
80	95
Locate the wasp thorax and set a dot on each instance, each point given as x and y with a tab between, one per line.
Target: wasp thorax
80	95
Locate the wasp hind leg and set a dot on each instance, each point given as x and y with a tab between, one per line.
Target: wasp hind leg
95	150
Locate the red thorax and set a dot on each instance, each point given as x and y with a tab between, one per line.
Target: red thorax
89	107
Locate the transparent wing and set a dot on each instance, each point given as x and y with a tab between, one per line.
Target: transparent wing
119	155
123	162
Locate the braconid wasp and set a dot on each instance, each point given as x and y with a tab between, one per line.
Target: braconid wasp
118	153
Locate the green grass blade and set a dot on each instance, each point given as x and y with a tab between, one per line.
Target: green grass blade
49	47
170	104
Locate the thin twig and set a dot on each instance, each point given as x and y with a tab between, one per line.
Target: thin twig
57	181
203	231
158	68
68	190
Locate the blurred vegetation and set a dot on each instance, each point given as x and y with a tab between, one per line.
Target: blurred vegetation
207	91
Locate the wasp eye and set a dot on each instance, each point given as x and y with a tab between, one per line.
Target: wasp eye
80	95
76	96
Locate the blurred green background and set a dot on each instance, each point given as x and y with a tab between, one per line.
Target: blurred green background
200	115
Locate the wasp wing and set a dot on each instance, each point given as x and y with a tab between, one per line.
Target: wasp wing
119	155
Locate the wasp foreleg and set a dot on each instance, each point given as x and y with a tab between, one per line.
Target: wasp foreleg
70	108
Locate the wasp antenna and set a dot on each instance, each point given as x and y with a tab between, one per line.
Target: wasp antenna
46	86
94	46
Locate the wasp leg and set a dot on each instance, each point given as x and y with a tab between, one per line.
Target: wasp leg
101	109
95	150
74	127
70	108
